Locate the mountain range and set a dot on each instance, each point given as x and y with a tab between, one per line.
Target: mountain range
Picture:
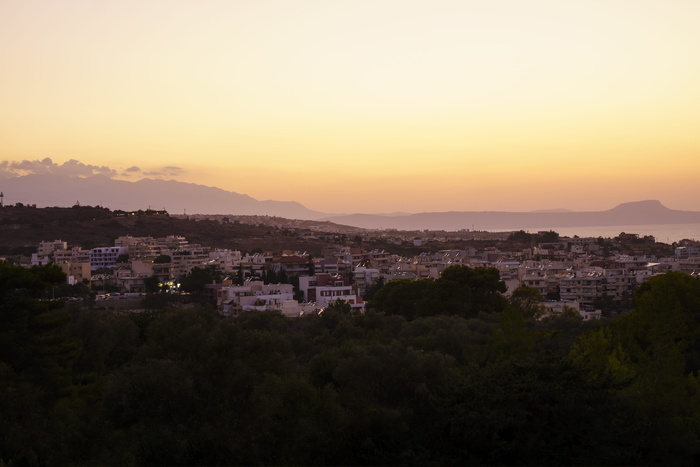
180	197
173	196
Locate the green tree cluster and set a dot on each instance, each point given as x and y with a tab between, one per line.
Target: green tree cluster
460	290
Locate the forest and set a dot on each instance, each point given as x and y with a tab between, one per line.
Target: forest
434	373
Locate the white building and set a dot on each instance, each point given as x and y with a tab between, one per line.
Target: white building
227	261
557	308
106	257
254	295
327	289
364	277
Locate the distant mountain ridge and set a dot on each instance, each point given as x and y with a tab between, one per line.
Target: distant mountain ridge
633	213
176	197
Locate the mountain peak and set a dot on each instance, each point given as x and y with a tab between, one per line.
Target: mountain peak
643	207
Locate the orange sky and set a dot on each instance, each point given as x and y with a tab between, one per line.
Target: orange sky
369	106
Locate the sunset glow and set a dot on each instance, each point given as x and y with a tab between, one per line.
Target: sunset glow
365	106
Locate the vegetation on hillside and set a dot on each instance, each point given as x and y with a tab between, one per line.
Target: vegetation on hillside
92	226
22	228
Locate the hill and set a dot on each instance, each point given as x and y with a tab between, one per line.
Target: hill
90	227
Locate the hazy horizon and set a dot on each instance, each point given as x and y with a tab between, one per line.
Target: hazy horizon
38	193
362	106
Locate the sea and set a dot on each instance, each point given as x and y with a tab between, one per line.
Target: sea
664	233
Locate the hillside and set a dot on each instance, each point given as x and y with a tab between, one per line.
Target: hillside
23	228
90	227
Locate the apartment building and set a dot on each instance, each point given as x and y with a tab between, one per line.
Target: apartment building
47	248
293	265
187	258
690	265
72	255
584	287
227	261
106	257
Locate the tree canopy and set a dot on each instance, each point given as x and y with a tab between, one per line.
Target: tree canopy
442	374
460	290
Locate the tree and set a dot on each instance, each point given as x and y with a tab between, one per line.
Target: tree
36	359
652	356
478	289
151	284
461	290
403	297
548	237
338	306
528	301
666	318
123	258
373	288
520	237
195	281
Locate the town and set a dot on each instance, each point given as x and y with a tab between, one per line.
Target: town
593	276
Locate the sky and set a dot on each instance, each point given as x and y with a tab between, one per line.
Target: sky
362	106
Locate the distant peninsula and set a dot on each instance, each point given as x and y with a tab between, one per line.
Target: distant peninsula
650	212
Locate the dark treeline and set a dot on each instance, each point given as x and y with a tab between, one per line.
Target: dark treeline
475	381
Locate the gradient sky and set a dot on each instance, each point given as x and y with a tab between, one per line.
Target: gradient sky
365	106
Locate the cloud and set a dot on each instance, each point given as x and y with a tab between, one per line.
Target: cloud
168	171
25	167
74	168
71	168
133	171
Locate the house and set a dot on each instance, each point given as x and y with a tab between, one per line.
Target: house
253	295
292	265
558	307
326	289
364	277
146	267
75	272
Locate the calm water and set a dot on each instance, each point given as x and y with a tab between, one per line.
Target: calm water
666	233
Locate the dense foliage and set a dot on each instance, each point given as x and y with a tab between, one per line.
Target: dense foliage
482	383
